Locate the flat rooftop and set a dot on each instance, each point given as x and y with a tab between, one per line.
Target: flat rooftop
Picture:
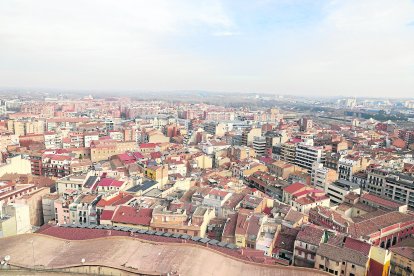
136	255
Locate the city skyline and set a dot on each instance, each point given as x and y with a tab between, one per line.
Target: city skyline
305	48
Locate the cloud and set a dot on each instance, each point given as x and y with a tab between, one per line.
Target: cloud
315	47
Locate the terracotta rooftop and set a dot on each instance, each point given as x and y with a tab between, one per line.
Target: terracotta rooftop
311	234
130	215
340	254
380	201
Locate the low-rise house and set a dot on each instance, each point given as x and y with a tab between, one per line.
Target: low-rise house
267	233
128	216
402	259
247	229
284	244
229	231
254	203
216	199
83	209
343	258
179	221
303	197
306	244
107	184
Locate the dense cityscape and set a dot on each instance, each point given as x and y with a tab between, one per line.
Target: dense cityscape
267	184
207	137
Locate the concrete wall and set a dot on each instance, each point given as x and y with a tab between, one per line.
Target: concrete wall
16	165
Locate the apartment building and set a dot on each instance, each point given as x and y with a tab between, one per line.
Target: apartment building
307	155
322	177
349	165
288	152
390	184
281	169
249	134
259	145
338	190
83	209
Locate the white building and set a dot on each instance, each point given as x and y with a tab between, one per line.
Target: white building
14	219
321	176
216	198
306	155
83	210
89	137
339	189
259	145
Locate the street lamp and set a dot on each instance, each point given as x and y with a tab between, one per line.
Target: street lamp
5	261
33	254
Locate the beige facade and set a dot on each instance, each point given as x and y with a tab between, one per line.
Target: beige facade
177	222
321	176
17	165
104	150
248	136
34	201
22	128
335	266
288	152
281	169
401	261
14	219
204	161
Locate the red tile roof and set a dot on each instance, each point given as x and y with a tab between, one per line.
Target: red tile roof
230	226
130	215
295	187
357	245
219	193
155	155
116	200
106	182
148	145
124	157
138	155
380	201
107	215
311	234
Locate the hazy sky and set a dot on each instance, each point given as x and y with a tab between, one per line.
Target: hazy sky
354	47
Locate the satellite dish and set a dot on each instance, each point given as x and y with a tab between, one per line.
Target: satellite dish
7	258
83	261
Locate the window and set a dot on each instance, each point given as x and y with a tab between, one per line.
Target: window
353	266
321	266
